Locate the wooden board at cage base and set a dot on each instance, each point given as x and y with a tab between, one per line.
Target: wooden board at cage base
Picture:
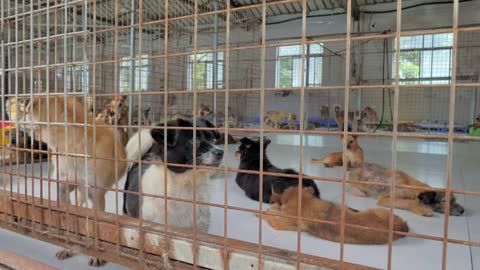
118	239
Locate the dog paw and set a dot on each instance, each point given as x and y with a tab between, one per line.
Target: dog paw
426	212
64	254
92	261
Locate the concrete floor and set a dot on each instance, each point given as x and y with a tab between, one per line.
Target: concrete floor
425	160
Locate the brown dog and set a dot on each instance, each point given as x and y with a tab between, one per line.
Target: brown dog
417	201
116	111
353	156
102	172
370	115
316	208
274	119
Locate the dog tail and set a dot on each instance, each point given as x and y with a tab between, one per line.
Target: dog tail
138	145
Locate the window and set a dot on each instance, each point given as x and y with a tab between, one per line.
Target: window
425	59
289	61
204	71
75	79
142	71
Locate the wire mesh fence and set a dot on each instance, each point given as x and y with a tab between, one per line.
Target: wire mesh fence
122	120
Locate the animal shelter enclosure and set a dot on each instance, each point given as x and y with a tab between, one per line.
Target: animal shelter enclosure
242	134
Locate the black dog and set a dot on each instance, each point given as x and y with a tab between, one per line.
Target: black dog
249	155
180	148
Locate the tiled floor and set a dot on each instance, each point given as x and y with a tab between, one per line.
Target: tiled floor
425	160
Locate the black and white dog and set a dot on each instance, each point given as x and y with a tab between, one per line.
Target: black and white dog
249	156
148	144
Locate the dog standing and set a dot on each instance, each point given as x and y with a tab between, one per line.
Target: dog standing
116	111
102	172
180	179
316	208
249	155
274	119
353	156
417	201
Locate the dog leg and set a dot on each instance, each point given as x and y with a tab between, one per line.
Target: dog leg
100	199
64	254
279	223
407	204
92	261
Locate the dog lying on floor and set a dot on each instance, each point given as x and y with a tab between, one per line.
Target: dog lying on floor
353	156
417	201
316	208
180	179
249	155
73	142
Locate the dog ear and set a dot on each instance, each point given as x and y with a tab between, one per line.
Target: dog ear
266	142
354	137
276	197
246	141
159	136
427	197
309	189
124	97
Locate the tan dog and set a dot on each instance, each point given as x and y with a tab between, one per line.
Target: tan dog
417	201
339	117
316	208
101	172
353	156
11	106
274	119
116	111
370	115
203	111
324	112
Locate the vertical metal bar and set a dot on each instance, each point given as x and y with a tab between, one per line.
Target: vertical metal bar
304	77
85	124
262	126
165	115
65	110
396	100
31	122
133	9
215	66
194	111
130	98
4	85
226	72
451	123
345	127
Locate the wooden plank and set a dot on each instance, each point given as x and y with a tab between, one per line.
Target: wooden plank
53	224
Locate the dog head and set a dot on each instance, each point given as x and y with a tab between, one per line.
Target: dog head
352	142
204	110
337	108
249	150
288	200
436	200
60	108
180	144
119	102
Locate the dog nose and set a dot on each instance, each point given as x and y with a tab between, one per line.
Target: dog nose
462	211
218	153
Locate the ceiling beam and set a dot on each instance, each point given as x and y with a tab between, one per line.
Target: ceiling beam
355	8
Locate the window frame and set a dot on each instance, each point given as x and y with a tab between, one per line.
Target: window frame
422	79
142	73
308	57
193	59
